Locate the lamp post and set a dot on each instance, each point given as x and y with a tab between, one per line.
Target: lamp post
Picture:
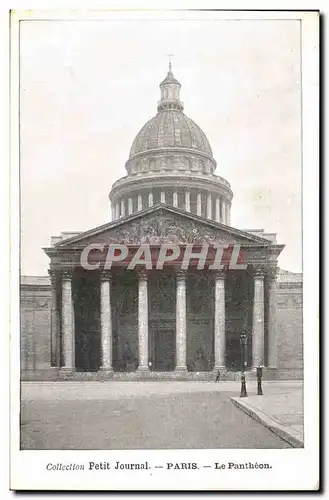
259	372
243	344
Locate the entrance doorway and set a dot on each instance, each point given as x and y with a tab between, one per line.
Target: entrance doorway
234	355
162	348
87	322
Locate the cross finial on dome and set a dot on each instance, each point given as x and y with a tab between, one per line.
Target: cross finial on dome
170	56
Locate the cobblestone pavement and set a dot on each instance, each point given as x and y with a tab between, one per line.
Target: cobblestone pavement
140	415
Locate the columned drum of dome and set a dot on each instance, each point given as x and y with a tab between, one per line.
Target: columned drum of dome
171	162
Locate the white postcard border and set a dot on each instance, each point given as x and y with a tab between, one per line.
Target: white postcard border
291	469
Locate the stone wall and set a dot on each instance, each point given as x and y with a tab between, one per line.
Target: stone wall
290	325
35	344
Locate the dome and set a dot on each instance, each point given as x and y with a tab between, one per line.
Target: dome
171	162
170	128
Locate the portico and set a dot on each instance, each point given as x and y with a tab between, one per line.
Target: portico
168	320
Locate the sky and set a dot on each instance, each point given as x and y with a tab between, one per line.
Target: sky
87	88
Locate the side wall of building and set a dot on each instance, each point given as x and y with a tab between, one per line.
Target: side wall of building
35	318
290	329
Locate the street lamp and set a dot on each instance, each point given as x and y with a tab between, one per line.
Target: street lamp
243	344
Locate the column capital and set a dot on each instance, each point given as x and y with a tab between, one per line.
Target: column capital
105	275
66	274
180	274
220	274
259	271
53	276
142	275
272	273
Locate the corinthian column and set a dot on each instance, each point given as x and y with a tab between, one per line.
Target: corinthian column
106	321
175	199
123	208
228	215
180	321
142	322
223	211
139	202
187	201
198	204
272	326
258	320
219	333
55	344
217	209
130	206
150	199
209	214
67	321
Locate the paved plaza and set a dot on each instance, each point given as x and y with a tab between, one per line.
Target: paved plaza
146	415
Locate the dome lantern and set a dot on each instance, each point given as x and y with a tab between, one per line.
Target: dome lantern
170	89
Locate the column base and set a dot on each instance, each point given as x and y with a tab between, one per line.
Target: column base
181	369
106	369
66	369
143	368
222	369
254	368
105	373
65	372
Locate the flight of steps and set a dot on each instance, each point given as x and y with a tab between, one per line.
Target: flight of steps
54	374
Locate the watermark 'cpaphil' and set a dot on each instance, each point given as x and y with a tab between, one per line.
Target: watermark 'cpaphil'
212	256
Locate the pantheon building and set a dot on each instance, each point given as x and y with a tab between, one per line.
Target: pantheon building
164	322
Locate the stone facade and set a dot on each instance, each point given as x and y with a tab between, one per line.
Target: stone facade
172	321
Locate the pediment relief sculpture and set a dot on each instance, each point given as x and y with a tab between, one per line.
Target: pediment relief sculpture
159	230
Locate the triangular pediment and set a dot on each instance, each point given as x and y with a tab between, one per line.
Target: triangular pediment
162	224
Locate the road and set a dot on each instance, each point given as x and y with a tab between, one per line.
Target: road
137	415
